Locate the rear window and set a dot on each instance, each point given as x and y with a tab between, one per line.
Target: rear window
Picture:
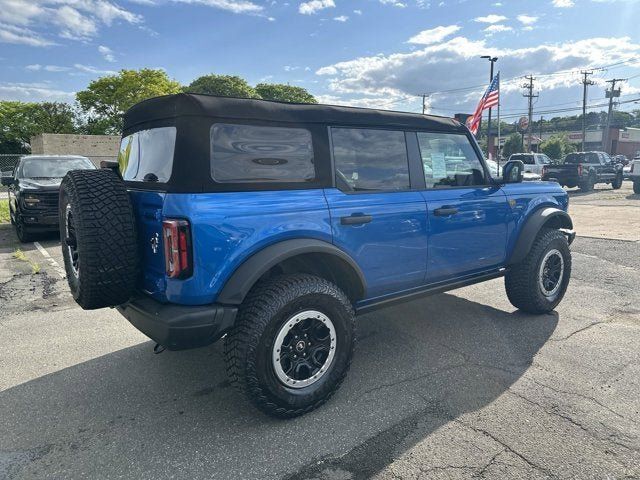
582	158
526	159
250	153
370	159
147	155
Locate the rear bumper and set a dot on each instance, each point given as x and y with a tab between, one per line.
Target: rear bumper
178	327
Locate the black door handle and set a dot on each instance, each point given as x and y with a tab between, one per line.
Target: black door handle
355	219
445	211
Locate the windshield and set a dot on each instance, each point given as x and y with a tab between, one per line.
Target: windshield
43	167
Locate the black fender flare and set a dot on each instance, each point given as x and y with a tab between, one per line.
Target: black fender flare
248	273
546	216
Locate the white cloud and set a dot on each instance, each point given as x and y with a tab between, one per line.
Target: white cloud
434	35
341	18
314	6
454	64
34	92
491	29
19	12
493	18
563	3
93	70
74	24
235	6
393	3
106	53
22	36
527	19
358	12
47	68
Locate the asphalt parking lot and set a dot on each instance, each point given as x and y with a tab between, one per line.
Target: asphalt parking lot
457	385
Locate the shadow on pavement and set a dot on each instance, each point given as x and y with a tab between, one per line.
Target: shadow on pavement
131	413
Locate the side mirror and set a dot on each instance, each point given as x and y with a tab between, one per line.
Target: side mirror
512	172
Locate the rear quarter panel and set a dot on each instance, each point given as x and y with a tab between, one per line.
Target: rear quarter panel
227	228
527	197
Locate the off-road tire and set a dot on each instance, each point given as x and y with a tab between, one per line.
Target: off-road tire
588	185
521	281
636	186
24	234
105	233
248	347
617	183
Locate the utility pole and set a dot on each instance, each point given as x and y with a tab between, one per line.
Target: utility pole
585	83
530	96
541	121
492	60
611	94
424	103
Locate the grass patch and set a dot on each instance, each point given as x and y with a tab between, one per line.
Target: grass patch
20	255
4	211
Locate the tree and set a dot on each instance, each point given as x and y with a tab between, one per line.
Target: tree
106	99
284	93
557	147
19	121
222	85
512	145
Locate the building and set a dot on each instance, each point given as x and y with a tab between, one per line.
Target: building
96	147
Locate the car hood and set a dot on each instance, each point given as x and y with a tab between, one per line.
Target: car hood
40	183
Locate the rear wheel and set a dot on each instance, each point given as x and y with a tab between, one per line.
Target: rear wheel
636	186
292	344
98	237
539	282
588	184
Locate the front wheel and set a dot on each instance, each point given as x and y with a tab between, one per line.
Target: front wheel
292	344
24	233
617	183
538	283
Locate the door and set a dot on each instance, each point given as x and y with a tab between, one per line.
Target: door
467	214
375	216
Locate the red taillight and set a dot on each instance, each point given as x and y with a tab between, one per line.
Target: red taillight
177	248
579	169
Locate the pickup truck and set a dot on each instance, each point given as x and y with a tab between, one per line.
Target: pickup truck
634	174
584	170
533	162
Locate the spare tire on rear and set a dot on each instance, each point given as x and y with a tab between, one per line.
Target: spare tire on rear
98	237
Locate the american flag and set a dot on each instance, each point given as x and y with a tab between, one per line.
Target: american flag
490	99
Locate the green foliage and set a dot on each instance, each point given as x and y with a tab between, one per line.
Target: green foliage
223	85
19	121
4	211
512	145
284	93
106	99
557	147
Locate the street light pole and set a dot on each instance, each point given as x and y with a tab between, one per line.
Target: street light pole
492	60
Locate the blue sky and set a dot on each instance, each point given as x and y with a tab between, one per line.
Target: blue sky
376	53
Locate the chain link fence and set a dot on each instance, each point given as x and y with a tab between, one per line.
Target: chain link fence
8	161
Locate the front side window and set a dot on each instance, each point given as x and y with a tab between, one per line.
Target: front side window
250	153
147	155
367	159
449	160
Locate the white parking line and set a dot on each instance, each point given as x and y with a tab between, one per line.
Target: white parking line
56	266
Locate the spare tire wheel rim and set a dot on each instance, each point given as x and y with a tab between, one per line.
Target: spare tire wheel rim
71	241
304	349
551	273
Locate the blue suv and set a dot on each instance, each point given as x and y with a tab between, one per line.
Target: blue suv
273	224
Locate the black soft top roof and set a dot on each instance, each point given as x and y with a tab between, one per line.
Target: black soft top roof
189	104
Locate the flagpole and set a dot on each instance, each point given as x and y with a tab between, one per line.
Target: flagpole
498	152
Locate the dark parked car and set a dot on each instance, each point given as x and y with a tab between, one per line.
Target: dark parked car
274	224
584	170
33	191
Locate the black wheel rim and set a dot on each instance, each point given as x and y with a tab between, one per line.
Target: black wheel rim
304	349
71	242
551	273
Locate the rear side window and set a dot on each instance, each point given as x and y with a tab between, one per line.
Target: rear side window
370	159
526	159
449	160
250	153
147	155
